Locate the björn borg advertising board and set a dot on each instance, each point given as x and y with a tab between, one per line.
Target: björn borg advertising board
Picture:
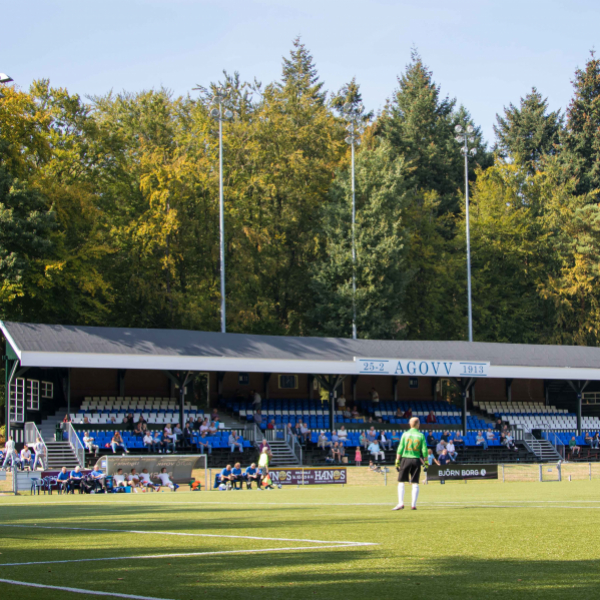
460	472
308	476
416	367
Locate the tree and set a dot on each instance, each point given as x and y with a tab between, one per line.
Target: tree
528	132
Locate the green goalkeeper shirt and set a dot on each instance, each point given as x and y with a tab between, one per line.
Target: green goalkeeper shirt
412	445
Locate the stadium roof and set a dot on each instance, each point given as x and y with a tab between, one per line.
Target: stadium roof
157	349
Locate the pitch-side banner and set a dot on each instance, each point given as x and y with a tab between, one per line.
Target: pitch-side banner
416	367
460	472
308	476
178	467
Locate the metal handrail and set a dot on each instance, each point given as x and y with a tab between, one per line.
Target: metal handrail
294	444
556	442
76	444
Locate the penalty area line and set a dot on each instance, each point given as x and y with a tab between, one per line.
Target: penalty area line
79	590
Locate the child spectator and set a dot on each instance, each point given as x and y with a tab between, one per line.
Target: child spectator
358	456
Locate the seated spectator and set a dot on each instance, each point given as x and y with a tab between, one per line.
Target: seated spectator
363	441
509	442
226	477
458	439
178	432
258	418
596	441
408	413
63	480
67	419
395	438
25	457
252	475
341	402
160	446
372	435
431	459
237	477
575	449
342	434
374	396
341	451
205	425
399	413
304	432
86	421
490	435
117	442
355	413
376	451
212	428
443	458
587	439
374	467
498	426
446	436
323	442
75	477
134	480
347	413
166	481
214	415
88	442
96	481
146	482
384	441
431	441
431	417
119	479
169	438
235	441
198	423
256	400
451	449
481	441
188	436
440	447
334	453
204	444
335	438
271	425
290	430
137	430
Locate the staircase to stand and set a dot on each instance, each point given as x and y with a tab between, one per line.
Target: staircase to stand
60	454
543	449
283	455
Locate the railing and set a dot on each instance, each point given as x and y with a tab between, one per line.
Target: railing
76	444
292	441
556	442
31	435
532	444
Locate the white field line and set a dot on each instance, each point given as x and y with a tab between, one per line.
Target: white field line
180	555
79	591
212	535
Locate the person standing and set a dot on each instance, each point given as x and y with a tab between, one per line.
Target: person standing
412	452
40	454
10	457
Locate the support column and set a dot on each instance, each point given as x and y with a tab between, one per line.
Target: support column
69	390
579	387
465	386
266	379
354	382
395	388
310	379
508	388
220	377
434	382
121	381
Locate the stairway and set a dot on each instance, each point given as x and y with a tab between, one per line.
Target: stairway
282	455
60	454
48	426
543	449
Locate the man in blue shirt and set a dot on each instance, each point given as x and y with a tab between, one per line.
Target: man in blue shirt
75	478
226	477
252	474
63	480
97	480
237	477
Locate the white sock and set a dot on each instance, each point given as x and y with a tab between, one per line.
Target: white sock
415	493
400	494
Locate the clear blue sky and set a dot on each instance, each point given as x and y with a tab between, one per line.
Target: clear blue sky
486	53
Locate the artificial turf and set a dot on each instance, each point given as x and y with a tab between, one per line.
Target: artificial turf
519	540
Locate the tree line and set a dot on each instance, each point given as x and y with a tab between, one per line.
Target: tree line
109	210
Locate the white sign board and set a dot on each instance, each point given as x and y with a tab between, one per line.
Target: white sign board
415	367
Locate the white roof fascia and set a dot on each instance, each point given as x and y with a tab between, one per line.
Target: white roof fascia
11	341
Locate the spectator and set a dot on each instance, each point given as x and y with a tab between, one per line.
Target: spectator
341	402
431	441
371	435
256	400
374	467
458	439
119	479
264	445
355	413
214	415
440	447
252	475
363	441
443	458
431	418
596	441
290	431
212	428
159	444
178	432
335	437
166	481
188	436
335	452
347	413
481	441
263	460
575	449
384	441
40	454
137	430
509	442
399	413
10	455
235	441
63	480
117	442
88	442
204	444
258	418
304	432
148	442
395	438
25	457
587	439
376	451
445	436
342	451
490	436
451	449
271	425
146	482
357	456
236	476
67	419
134	480
205	425
374	396
332	455
431	459
342	434
97	481
74	482
169	438
408	413
198	423
323	442
498	426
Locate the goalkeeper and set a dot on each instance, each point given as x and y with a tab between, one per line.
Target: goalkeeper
412	453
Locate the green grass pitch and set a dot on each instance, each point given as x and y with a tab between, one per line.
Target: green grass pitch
516	540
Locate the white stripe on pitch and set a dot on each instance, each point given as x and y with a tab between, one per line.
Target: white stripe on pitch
79	590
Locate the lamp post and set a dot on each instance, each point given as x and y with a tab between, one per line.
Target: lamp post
466	137
221	115
352	113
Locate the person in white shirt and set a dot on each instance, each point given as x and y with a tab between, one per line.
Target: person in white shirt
342	434
204	427
451	450
323	442
40	454
146	482
88	442
374	396
256	400
376	451
25	458
341	402
169	437
119	479
148	442
166	481
10	456
384	441
304	432
134	480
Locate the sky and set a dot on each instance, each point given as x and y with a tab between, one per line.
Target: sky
486	54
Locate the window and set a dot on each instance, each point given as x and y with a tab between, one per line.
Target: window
17	401
288	382
243	378
47	389
413	382
33	394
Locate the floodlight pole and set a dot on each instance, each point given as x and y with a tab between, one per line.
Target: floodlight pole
470	309
222	220
353	247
